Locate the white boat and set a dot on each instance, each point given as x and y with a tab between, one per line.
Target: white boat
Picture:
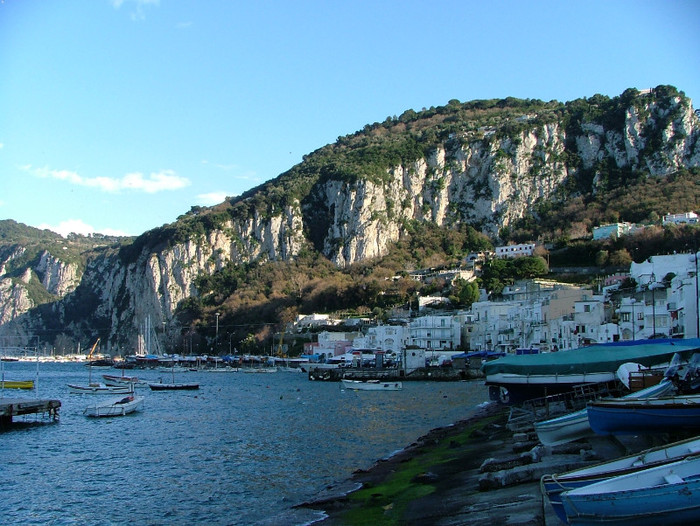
665	494
552	486
258	369
115	407
113	379
370	385
100	389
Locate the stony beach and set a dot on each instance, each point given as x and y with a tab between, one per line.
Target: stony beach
478	471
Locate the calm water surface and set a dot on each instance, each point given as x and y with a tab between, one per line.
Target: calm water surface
243	449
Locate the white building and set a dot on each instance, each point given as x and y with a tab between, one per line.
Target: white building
680	219
514	251
612	230
436	333
387	338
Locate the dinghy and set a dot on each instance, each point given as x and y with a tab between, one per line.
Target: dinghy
665	494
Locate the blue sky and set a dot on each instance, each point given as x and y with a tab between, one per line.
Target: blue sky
117	116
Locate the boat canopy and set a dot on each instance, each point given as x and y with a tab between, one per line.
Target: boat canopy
595	358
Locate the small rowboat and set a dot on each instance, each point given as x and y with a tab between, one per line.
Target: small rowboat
370	385
100	389
115	407
554	485
666	494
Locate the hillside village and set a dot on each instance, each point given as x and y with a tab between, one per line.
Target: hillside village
657	298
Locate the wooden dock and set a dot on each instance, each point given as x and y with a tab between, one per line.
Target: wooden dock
11	407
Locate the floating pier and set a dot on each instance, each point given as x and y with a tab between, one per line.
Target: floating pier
11	407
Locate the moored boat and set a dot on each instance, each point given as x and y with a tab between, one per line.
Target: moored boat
173	386
665	494
370	385
115	407
17	384
113	379
631	416
100	389
552	486
520	377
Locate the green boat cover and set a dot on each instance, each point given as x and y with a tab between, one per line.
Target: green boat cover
593	359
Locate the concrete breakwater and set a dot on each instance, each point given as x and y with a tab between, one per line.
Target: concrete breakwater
478	471
435	374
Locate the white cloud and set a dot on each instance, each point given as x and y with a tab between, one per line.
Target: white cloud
138	12
156	182
78	226
212	198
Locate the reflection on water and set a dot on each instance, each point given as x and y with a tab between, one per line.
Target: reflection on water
243	448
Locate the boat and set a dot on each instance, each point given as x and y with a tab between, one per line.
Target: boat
370	385
113	379
115	407
574	426
100	388
665	494
552	486
173	386
515	378
17	384
632	416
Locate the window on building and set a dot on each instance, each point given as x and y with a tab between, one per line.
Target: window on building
586	308
625	317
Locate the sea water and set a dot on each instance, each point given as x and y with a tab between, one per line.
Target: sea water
244	448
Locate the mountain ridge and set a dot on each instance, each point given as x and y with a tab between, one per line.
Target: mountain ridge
488	165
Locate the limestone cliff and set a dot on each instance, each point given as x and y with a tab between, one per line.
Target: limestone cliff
486	173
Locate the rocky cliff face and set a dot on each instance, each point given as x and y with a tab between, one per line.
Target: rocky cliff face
483	177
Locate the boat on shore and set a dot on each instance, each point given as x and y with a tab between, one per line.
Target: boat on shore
632	416
115	407
516	378
552	486
370	385
575	425
665	494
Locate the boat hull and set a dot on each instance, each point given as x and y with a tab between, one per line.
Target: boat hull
359	385
516	378
574	426
667	494
116	407
552	486
173	387
638	416
99	389
17	384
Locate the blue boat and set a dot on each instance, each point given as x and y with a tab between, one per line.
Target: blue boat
633	416
552	486
574	426
666	494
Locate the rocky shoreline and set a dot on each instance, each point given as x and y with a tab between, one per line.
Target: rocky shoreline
477	471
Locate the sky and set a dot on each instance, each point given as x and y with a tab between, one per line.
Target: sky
117	116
